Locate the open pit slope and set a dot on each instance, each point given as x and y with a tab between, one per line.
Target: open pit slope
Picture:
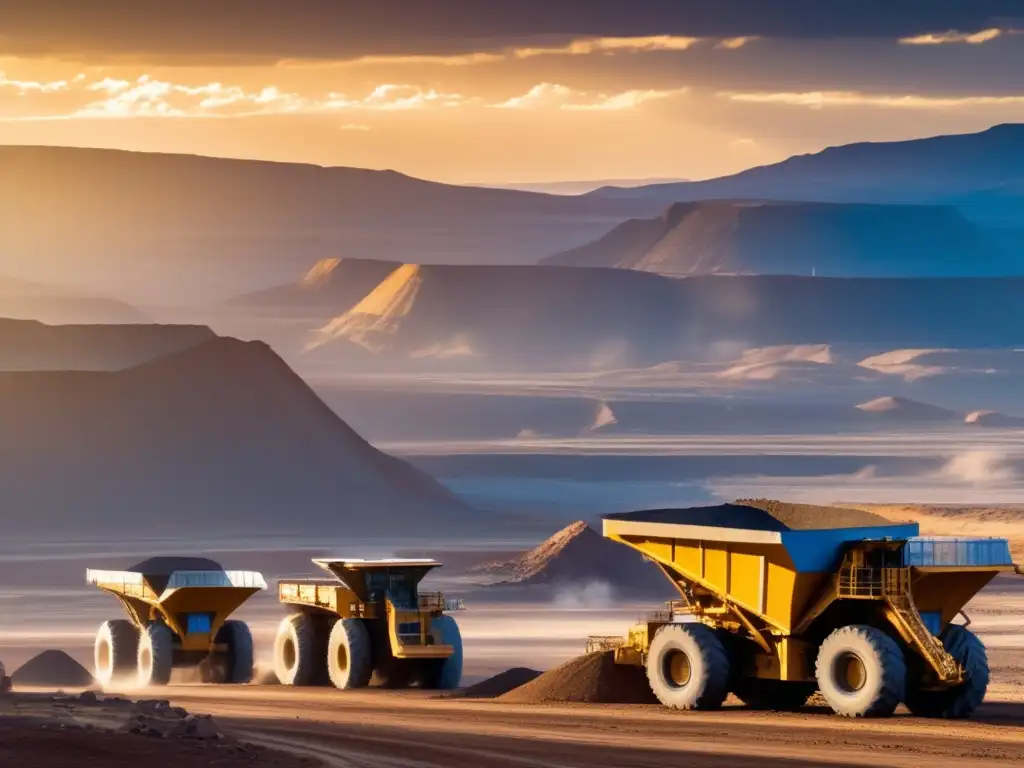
575	557
29	345
223	435
833	239
594	318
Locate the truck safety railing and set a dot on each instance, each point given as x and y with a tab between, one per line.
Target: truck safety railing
436	601
873	582
603	643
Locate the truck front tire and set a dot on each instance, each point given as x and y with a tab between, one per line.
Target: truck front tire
861	672
156	655
115	651
349	654
688	667
296	661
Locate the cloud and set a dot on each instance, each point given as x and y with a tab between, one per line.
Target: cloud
150	97
952	36
260	30
554	96
823	99
586	47
391	98
29	86
734	43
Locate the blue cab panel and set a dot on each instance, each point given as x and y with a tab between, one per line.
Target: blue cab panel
938	551
199	623
933	621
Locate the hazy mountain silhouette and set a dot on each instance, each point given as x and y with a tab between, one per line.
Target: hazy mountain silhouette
932	169
178	228
29	345
218	437
839	240
333	284
26	300
560	318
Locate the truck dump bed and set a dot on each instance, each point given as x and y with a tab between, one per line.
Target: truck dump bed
773	559
748	555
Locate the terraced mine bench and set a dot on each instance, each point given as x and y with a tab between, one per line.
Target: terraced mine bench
772	613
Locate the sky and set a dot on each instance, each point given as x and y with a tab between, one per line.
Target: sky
489	91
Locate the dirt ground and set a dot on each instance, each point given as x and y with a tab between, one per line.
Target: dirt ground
30	745
47	730
407	728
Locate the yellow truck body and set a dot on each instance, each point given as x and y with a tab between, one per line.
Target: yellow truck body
773	595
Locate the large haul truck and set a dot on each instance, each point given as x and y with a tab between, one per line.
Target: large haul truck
178	616
771	613
369	621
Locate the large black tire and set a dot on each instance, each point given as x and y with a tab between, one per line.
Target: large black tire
445	675
772	695
960	701
156	655
349	654
238	638
688	667
296	657
115	652
861	672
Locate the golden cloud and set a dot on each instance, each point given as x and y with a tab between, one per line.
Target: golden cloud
554	96
953	36
822	99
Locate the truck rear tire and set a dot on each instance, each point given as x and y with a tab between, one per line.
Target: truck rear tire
296	661
446	674
772	695
156	655
959	701
688	667
238	638
349	654
861	672
115	651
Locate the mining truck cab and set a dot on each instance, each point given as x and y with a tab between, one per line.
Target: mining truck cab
179	613
372	619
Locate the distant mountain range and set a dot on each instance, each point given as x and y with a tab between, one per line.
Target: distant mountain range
26	300
913	171
218	437
578	187
833	239
586	318
181	229
27	345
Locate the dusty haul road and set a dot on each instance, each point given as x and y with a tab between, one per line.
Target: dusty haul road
383	729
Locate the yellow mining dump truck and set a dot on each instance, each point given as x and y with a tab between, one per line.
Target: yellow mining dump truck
178	609
371	620
773	612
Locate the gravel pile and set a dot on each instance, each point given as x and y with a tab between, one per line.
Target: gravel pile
811	516
594	678
52	669
500	684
